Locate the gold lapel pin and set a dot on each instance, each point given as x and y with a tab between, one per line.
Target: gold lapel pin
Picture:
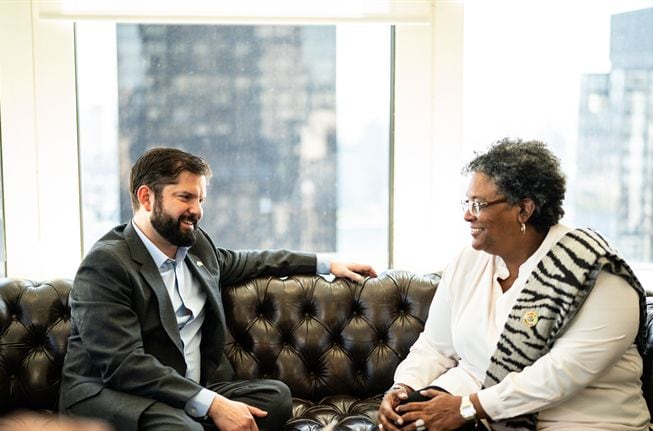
199	263
530	318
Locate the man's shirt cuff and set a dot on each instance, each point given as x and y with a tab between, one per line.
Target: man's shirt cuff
198	406
323	263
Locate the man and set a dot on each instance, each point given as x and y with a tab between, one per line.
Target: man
146	349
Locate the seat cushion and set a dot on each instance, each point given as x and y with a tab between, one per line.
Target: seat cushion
344	411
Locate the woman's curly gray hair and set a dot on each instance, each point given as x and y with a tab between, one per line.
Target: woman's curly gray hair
525	169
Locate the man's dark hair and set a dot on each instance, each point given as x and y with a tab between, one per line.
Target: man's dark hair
159	167
525	169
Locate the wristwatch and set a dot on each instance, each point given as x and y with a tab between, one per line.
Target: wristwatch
467	410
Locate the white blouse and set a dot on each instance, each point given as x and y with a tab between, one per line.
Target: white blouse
590	379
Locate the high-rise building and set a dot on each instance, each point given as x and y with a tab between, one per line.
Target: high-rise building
247	100
614	182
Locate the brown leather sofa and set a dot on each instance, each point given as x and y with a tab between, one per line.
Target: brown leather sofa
334	343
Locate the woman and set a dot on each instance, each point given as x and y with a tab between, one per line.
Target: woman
535	326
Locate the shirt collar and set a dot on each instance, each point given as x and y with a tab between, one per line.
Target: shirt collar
158	256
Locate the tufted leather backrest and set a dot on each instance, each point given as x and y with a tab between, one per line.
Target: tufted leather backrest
34	329
326	337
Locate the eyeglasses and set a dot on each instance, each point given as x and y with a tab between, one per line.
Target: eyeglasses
475	207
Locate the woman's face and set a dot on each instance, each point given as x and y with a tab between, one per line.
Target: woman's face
496	226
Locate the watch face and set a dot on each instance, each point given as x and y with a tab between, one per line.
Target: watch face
467	410
468	413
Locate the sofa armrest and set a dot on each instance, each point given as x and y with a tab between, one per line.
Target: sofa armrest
34	329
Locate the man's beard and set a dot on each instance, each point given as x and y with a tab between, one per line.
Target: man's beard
170	229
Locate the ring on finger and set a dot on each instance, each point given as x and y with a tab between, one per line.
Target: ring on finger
420	425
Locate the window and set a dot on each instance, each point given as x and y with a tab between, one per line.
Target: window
293	120
580	78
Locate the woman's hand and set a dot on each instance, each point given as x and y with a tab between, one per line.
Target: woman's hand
440	413
388	418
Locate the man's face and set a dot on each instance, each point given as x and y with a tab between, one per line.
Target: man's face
178	209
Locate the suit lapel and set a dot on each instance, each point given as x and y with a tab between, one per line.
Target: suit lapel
153	278
208	282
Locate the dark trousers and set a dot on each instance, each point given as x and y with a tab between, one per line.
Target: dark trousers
148	415
415	396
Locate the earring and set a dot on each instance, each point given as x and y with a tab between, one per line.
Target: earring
523	229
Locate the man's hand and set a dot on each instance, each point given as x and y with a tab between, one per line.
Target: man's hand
230	415
353	271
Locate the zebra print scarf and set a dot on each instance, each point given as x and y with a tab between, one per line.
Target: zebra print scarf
553	294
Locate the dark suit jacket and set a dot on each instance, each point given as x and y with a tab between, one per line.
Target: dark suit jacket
124	333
